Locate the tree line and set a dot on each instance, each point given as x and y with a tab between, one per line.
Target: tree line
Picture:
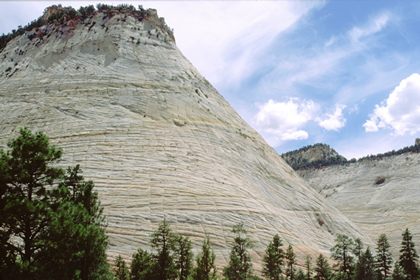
52	227
172	258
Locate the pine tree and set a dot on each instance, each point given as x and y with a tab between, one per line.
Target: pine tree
54	218
240	266
383	260
342	254
273	259
290	258
300	275
358	248
365	267
408	256
308	264
121	269
398	273
141	265
322	268
163	241
183	256
206	269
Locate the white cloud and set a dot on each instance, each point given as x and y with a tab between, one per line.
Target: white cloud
334	121
284	120
401	111
225	39
374	26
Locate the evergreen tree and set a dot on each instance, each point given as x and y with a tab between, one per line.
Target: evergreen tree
358	248
383	260
290	258
408	256
308	264
342	254
141	265
365	267
54	218
206	269
273	259
183	256
322	268
300	275
163	241
240	266
398	273
121	269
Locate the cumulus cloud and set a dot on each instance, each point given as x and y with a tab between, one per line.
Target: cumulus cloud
285	119
401	111
333	121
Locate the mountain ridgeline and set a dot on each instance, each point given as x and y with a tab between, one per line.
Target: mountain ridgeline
322	155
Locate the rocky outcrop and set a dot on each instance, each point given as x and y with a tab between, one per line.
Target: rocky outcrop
380	196
157	139
313	156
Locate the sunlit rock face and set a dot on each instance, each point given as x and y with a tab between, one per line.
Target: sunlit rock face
157	139
380	196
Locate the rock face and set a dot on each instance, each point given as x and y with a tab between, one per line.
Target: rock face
157	139
380	196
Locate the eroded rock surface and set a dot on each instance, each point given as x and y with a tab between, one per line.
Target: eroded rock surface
157	139
380	196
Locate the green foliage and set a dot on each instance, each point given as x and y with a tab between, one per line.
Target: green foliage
308	266
163	241
298	162
398	273
240	266
322	268
290	258
365	267
342	254
121	269
141	265
300	275
408	257
383	259
206	268
183	256
273	259
54	218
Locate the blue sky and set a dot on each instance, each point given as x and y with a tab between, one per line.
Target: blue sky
339	72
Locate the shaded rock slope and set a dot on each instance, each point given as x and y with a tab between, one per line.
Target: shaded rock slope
380	196
157	139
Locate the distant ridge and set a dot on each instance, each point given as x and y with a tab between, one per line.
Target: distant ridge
321	155
313	156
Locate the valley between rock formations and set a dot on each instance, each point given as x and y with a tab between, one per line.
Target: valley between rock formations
157	139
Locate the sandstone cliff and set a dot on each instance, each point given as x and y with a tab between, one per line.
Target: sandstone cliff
380	196
157	139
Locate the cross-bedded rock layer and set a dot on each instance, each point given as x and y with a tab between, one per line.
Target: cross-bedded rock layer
157	139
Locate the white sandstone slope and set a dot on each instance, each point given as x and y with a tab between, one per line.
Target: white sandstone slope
157	139
380	196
